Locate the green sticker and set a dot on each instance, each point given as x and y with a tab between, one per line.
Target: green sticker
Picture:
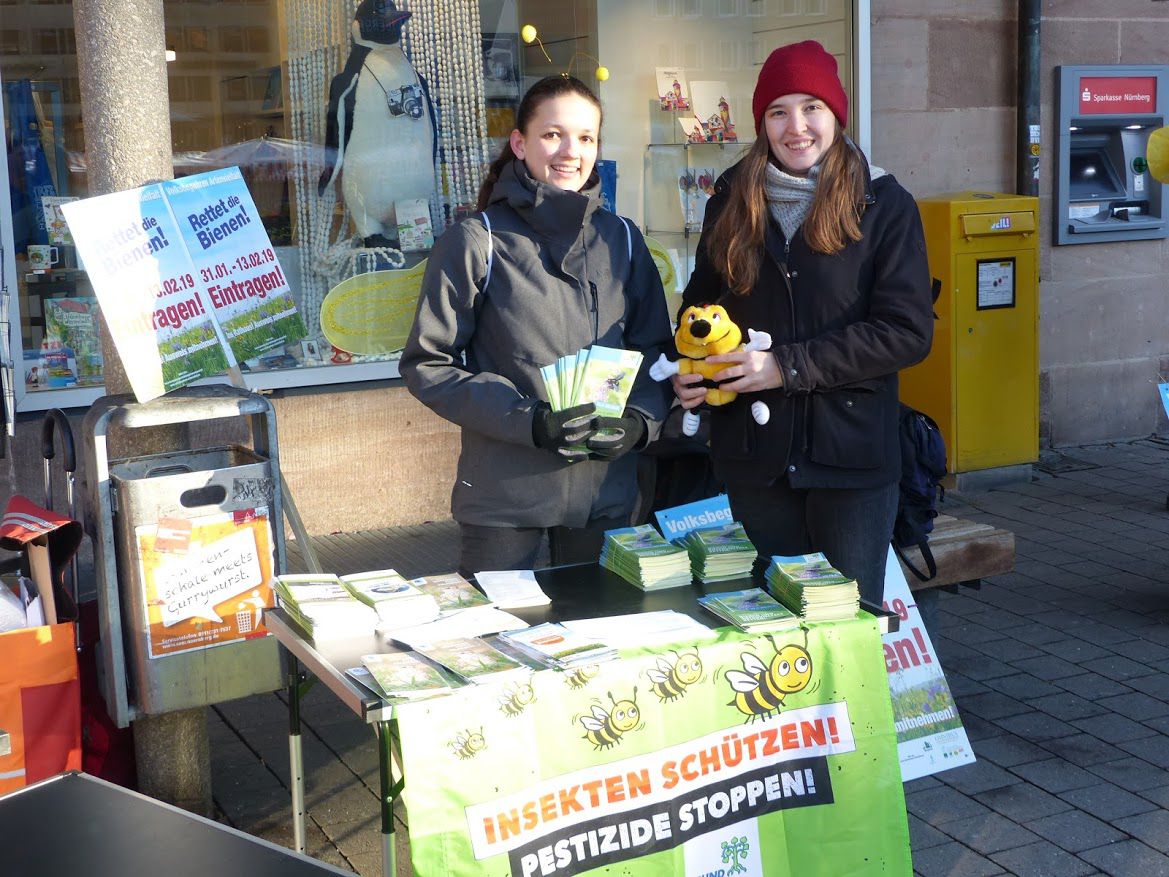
1139	165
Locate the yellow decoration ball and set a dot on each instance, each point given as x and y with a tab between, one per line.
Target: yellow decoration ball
602	73
527	33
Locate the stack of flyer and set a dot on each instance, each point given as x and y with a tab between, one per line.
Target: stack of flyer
400	674
397	602
719	553
809	585
752	610
452	592
554	645
601	375
323	607
474	660
641	555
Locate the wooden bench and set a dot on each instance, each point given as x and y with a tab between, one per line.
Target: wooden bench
966	552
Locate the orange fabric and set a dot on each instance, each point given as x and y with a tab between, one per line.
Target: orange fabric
39	661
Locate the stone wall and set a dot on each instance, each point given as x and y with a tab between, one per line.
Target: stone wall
944	81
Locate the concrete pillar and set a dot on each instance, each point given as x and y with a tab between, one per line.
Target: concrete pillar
121	61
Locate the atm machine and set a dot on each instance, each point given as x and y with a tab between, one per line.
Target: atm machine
1103	188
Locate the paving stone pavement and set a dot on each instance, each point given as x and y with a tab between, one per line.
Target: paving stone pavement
1058	669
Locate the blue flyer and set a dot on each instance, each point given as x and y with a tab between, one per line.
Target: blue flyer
680	520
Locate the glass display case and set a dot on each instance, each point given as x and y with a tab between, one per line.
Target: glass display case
679	180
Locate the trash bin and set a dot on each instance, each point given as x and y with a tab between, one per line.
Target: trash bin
185	544
980	381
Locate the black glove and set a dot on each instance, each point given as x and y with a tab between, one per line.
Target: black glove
616	436
560	431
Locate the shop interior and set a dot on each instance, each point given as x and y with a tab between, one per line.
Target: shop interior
249	86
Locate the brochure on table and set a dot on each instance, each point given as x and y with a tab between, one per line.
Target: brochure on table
186	276
930	736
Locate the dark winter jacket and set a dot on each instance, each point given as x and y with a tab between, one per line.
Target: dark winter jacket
842	326
562	278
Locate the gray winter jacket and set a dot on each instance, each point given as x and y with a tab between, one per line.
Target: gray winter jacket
561	279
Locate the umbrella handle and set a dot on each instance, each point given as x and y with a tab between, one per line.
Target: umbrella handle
55	417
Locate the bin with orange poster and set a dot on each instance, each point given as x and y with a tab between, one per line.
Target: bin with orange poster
186	544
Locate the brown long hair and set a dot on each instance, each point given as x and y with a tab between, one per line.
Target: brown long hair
546	89
735	241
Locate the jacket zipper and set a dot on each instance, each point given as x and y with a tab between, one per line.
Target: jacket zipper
596	309
791	302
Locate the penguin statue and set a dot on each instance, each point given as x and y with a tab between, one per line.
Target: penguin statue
380	125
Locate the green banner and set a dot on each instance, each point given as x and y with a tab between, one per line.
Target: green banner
760	755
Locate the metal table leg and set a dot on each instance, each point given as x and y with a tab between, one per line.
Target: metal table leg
389	792
295	752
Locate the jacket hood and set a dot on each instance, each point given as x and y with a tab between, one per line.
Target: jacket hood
556	214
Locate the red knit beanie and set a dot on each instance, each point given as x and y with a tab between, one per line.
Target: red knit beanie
800	68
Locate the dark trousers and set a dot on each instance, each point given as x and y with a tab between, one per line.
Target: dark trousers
852	527
518	547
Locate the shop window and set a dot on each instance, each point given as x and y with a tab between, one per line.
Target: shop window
53	41
351	239
256	39
231	39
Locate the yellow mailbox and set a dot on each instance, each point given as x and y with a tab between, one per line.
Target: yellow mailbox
981	379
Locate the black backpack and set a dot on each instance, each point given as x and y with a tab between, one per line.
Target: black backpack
923	466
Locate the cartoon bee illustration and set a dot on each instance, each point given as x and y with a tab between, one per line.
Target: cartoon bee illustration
468	743
760	690
670	680
604	728
516	698
581	676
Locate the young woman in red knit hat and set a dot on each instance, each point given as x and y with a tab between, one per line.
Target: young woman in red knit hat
806	241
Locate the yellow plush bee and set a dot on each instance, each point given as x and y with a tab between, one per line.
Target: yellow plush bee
705	331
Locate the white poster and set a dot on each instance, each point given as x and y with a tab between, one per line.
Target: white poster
930	736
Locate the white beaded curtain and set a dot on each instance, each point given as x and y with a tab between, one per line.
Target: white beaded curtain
318	43
442	40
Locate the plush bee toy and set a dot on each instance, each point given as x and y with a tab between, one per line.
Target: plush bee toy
702	332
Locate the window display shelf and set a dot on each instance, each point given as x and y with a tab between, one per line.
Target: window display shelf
679	180
57	275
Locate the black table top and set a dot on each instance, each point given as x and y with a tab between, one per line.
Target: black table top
78	824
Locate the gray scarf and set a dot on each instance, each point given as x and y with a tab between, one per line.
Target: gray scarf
789	198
